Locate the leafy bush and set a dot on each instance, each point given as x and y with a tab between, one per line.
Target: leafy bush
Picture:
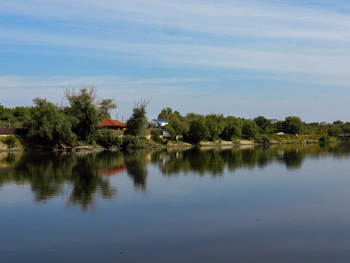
250	129
155	137
198	131
334	131
293	125
170	130
10	141
130	142
232	129
263	140
107	138
324	139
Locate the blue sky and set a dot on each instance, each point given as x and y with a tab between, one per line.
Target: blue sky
242	58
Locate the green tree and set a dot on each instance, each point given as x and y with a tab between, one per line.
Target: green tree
249	129
198	131
233	128
215	124
137	124
334	131
165	114
179	126
263	123
49	125
82	107
87	110
170	130
293	125
105	106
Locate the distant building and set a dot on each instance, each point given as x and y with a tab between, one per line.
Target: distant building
273	120
160	123
118	127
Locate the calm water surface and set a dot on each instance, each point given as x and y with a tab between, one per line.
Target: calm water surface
282	204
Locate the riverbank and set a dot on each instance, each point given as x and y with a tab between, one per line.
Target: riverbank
269	139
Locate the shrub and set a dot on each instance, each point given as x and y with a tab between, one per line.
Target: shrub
334	131
155	136
198	131
263	140
107	138
324	139
249	129
130	142
10	141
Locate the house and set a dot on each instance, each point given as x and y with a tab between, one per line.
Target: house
273	120
160	123
118	127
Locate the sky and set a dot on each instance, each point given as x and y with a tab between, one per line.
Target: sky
272	58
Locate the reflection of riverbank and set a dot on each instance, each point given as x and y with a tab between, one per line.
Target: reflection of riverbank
87	175
215	160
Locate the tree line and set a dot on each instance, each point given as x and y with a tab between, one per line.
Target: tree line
51	124
213	127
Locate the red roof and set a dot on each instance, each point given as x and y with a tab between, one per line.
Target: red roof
111	123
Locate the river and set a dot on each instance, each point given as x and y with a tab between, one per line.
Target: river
279	204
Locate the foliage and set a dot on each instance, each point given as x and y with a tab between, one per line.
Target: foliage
107	138
83	109
249	129
49	125
232	129
178	124
278	126
325	139
130	142
165	114
338	122
346	128
198	131
104	108
170	130
137	124
263	123
293	125
215	124
334	131
10	141
263	140
155	136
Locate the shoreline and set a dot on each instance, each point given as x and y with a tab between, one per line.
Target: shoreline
153	146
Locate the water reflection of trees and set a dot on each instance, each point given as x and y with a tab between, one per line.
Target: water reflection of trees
49	175
52	174
215	161
136	165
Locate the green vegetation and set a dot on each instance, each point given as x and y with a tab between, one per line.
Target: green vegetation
10	141
49	125
76	123
137	124
86	111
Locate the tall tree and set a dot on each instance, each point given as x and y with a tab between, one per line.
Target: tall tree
137	124
49	125
263	123
85	108
293	125
105	106
215	124
249	129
